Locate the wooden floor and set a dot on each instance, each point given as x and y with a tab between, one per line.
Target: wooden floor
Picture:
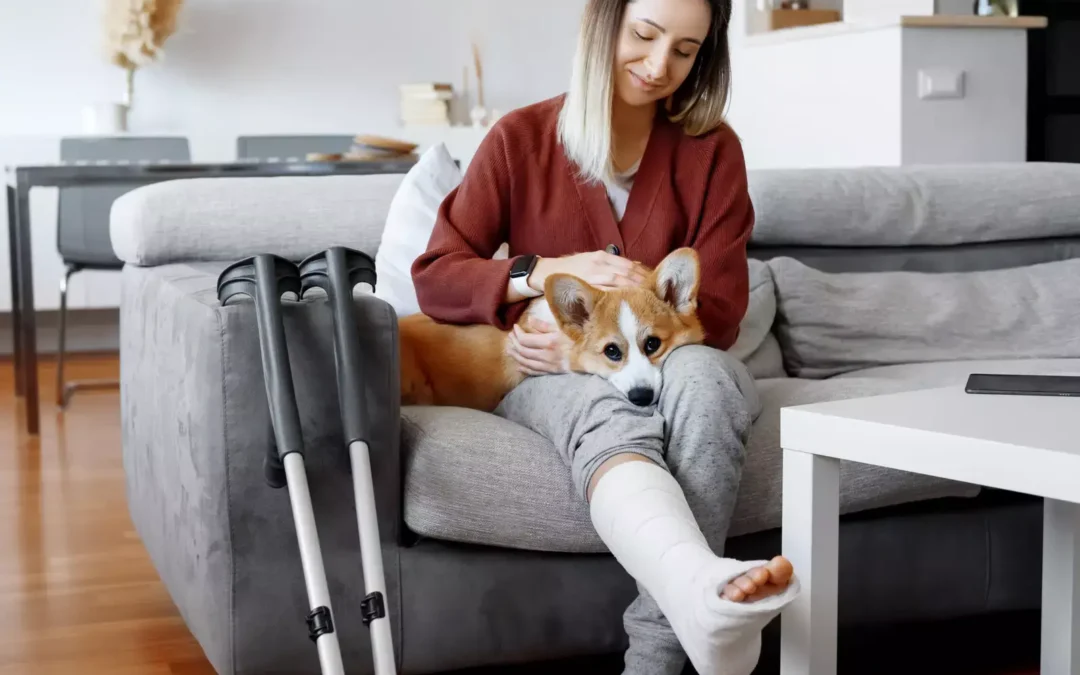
78	595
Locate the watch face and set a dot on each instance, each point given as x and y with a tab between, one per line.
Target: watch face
523	266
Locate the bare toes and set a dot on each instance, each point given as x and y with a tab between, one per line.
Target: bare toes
760	582
733	593
780	571
759	575
745	584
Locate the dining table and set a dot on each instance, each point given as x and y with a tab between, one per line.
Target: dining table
21	179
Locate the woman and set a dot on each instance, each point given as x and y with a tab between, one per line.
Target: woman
633	162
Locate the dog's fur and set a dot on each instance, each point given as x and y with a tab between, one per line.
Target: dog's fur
623	335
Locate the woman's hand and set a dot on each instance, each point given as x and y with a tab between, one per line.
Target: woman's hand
597	268
542	349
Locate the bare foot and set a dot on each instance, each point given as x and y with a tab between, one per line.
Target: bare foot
760	582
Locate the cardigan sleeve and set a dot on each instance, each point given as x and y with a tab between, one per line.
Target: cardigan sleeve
721	240
456	280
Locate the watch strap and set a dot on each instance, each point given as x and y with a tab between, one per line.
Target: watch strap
521	285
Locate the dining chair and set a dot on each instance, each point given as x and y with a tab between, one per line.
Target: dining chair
82	233
266	147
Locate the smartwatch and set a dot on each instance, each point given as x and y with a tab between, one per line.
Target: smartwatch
519	275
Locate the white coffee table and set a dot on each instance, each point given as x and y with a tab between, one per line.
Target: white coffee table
1027	444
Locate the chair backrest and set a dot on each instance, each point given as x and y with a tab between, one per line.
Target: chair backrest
82	234
285	147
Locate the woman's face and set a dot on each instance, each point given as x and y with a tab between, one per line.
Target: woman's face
657	44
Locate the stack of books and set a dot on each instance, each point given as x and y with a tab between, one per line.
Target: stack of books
426	104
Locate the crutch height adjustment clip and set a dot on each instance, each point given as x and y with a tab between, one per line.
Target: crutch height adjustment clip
319	623
372	608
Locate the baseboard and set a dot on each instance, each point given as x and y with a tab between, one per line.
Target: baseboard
88	330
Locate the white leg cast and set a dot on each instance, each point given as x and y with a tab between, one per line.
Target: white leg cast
1060	588
811	535
311	559
382	645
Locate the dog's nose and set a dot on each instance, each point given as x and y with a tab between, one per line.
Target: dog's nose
640	396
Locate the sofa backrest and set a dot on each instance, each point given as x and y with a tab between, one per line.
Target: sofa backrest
226	219
823	238
898	265
925	218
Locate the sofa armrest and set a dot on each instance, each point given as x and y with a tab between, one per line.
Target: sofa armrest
195	430
214	219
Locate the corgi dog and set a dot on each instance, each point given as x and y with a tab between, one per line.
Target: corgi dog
623	335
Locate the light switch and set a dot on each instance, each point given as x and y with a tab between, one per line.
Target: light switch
941	83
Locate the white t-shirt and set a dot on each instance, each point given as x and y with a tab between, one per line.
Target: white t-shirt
619	190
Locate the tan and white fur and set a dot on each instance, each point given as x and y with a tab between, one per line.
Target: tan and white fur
622	335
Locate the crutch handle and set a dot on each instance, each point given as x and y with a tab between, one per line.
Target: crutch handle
337	271
265	278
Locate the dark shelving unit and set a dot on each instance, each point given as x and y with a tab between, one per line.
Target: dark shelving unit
1054	81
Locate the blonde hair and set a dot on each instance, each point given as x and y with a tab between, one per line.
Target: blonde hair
584	126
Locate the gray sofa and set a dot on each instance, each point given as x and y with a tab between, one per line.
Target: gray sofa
863	282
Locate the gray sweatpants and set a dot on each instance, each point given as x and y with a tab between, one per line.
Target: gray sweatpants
698	430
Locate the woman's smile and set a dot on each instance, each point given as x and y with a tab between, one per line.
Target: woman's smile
642	83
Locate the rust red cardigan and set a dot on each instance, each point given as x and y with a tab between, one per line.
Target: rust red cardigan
521	188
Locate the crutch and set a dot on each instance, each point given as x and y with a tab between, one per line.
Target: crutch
265	278
337	271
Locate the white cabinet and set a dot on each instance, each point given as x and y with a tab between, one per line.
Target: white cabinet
875	10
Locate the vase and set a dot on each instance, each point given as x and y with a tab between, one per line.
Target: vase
104	119
478	116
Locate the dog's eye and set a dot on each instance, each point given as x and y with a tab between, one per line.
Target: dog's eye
613	352
652	343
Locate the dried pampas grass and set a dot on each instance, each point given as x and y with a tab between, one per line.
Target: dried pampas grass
136	30
479	75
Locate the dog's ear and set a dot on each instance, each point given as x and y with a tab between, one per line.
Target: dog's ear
675	280
571	301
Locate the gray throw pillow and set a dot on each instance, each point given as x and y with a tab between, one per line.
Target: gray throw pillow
834	323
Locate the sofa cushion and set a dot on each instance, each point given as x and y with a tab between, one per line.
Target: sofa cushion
767	360
477	478
753	346
829	324
948	373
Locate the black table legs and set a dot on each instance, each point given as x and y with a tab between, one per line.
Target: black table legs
16	318
24	321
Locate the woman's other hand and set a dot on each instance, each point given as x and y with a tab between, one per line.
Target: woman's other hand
596	268
541	349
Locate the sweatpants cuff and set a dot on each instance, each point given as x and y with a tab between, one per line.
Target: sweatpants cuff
585	464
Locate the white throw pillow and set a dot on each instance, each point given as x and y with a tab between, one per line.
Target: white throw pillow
409	223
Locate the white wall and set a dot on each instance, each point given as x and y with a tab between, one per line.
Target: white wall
258	66
988	124
268	66
829	101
